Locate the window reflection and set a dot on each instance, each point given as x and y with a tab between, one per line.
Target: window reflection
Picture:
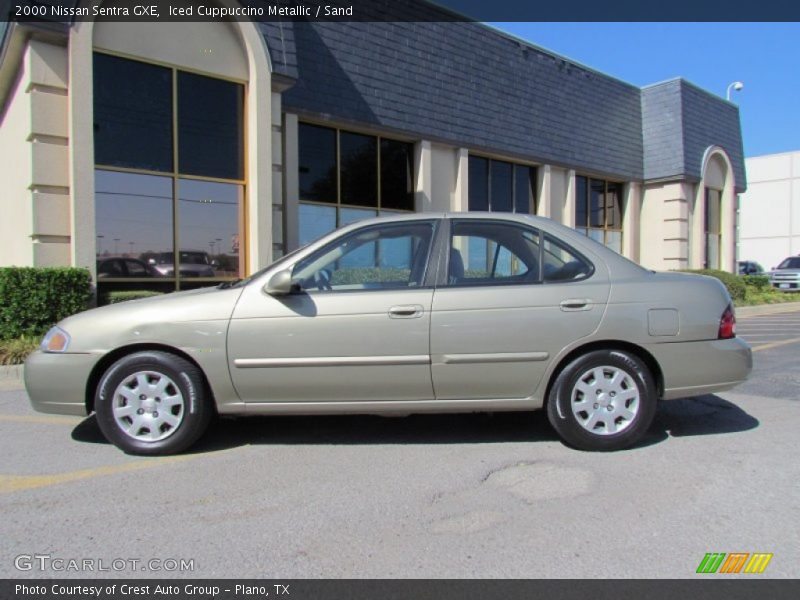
208	215
315	221
133	216
359	169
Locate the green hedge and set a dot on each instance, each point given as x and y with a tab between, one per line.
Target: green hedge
34	299
734	283
123	296
759	282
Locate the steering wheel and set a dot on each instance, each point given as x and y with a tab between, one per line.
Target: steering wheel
322	279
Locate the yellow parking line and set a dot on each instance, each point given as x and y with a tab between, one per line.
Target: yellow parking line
776	344
18	483
52	420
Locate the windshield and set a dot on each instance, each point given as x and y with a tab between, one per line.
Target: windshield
793	262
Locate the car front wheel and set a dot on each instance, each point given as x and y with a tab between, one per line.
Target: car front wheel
152	403
603	400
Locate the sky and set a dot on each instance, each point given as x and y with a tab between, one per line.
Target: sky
764	56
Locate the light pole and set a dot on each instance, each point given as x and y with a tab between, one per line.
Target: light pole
736	85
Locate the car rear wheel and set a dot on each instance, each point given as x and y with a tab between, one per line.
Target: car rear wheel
603	400
152	403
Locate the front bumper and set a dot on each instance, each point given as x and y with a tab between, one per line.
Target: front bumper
697	368
56	383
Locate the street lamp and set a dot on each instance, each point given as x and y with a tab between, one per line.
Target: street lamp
736	85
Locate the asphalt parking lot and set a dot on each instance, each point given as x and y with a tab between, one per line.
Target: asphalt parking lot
423	496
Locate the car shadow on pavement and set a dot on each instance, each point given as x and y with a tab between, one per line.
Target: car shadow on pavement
705	415
477	428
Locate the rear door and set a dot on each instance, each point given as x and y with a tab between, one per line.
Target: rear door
512	299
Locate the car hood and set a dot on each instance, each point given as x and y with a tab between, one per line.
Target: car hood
148	320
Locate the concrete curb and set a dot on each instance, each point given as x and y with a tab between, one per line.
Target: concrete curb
766	309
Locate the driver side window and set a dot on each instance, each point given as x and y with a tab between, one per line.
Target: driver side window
377	257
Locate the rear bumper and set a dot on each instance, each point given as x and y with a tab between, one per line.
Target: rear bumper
697	368
56	383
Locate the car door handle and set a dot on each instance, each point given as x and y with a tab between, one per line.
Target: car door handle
573	304
406	311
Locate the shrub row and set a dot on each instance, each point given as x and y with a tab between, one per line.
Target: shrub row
34	299
123	296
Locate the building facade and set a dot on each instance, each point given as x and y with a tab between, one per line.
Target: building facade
168	155
769	212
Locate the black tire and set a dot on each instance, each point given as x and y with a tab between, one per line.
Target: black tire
186	403
606	424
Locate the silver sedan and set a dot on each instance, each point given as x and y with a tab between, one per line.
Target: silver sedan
423	313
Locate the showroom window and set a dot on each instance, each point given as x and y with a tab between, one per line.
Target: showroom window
598	211
713	228
169	176
346	176
500	186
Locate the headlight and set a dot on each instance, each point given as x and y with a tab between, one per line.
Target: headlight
56	340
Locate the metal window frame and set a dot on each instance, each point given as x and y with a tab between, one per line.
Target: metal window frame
338	204
606	228
532	177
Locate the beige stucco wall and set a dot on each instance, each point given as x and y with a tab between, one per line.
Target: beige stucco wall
35	169
664	228
444	178
15	170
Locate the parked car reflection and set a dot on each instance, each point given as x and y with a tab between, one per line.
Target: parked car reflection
121	266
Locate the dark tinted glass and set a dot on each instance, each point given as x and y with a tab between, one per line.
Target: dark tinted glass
210	118
478	183
397	168
524	189
317	157
581	216
596	202
132	114
501	199
613	206
359	169
713	201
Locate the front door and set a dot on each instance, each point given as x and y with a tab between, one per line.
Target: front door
358	331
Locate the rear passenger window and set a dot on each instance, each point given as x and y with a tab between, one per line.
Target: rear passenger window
562	263
493	253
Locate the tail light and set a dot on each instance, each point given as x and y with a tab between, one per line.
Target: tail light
727	324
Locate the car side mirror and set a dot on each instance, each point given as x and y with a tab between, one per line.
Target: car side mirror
281	284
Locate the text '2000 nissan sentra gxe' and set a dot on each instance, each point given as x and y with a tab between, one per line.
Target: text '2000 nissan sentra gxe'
422	313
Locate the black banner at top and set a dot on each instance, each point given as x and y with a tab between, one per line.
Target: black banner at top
398	10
